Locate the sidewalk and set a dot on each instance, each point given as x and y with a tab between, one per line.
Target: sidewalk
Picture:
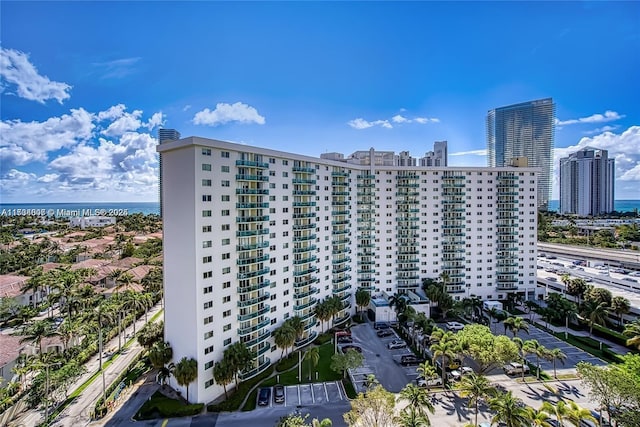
79	411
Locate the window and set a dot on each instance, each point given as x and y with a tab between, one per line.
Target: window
225	198
206	151
208	304
224	154
206	167
208	335
225	183
224	168
226	327
207	274
208	349
208	289
227	342
206	229
206	197
206	244
226	285
206	183
226	242
226	270
225	212
206	213
208	365
226	299
226	313
208	320
225	227
226	255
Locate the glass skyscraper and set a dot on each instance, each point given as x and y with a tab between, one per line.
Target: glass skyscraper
524	130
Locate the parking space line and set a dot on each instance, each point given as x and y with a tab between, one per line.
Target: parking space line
339	392
325	390
299	400
313	397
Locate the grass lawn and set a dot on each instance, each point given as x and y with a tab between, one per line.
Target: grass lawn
161	405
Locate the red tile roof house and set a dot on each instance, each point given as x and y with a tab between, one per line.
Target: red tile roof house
11	287
10	349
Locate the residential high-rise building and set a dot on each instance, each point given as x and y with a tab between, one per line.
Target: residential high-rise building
524	130
254	236
587	180
437	157
164	135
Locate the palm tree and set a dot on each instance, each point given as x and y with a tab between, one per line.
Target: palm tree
239	358
135	302
363	298
297	325
418	399
633	330
223	374
399	303
538	418
531	306
523	349
509	410
426	370
620	305
323	313
125	279
475	387
493	314
566	280
185	372
284	337
516	324
576	414
409	417
160	354
36	331
556	354
444	349
34	285
560	410
534	347
577	287
594	312
313	354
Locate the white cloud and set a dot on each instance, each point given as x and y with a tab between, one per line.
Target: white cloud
117	68
156	120
360	123
225	113
186	107
16	69
624	147
606	128
112	112
50	177
23	142
608	116
126	123
470	153
15	181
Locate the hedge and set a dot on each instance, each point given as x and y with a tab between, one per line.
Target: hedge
166	408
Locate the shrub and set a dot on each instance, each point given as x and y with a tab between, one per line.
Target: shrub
164	406
238	395
287	363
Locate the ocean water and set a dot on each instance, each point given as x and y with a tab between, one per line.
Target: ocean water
618	205
79	209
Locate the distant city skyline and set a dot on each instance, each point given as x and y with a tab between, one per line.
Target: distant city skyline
81	106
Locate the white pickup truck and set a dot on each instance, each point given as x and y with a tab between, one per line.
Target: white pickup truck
514	368
430	382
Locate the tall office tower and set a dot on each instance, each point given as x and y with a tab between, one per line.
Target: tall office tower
254	236
164	135
587	180
524	130
437	157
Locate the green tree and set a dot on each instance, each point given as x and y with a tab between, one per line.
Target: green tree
349	360
426	370
560	410
620	306
186	371
238	358
418	399
375	409
475	388
223	375
576	414
632	330
284	337
445	349
363	298
577	287
538	418
160	354
598	295
297	325
487	350
595	313
323	312
36	331
509	410
556	354
516	324
313	355
537	349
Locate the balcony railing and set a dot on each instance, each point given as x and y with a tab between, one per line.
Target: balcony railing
253	315
261	191
255	371
254	301
250	274
247	177
256	287
252	260
253	164
250	329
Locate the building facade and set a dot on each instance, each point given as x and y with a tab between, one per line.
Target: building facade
253	236
524	130
164	135
587	179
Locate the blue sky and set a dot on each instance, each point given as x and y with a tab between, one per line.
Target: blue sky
85	85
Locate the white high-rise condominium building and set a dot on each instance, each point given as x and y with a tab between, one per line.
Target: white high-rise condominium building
253	236
587	180
164	135
524	130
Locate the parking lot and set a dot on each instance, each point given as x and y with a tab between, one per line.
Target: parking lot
309	394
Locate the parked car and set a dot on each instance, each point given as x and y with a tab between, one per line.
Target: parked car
457	374
629	279
345	340
514	368
263	396
384	333
278	394
382	325
396	344
455	326
410	359
430	382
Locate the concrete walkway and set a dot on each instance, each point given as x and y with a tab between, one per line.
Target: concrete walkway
78	412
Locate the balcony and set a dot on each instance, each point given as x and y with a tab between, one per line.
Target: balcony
303	204
305	260
304	238
253	301
341	320
342	279
252	205
311	303
252	288
250	329
252	164
345	174
249	316
308	248
340	251
456	289
304	169
252	260
304	341
252	247
256	273
340	203
304	192
407	277
304	215
304	181
408	194
308	293
340	222
506	286
246	219
368	185
340	260
303	283
343	241
411	251
338	270
258	339
340	212
251	191
341	289
303	226
366	245
304	272
367	271
366	176
416	268
255	371
247	233
247	177
339	193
